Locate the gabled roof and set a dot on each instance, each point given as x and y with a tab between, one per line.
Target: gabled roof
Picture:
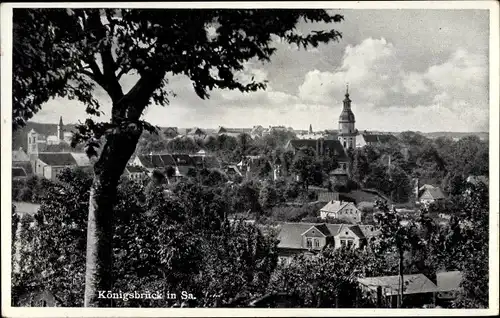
425	187
322	228
357	231
369	230
334	206
156	160
171	129
327	196
413	284
379	138
82	160
328	144
195	131
435	193
57	158
19	155
290	234
338	172
145	160
235	130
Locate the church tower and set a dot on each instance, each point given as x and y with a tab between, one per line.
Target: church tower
32	142
60	131
347	132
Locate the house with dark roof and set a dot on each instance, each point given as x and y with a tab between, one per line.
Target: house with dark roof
50	164
182	164
196	132
430	194
257	131
320	146
136	173
339	176
341	210
170	132
233	132
418	290
310	238
374	139
144	161
327	196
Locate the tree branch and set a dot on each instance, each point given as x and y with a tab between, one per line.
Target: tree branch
108	77
136	100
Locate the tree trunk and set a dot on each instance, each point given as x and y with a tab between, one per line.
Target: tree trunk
401	280
117	151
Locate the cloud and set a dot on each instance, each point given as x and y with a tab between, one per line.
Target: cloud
437	80
369	68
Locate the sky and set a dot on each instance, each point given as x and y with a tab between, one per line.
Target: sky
421	70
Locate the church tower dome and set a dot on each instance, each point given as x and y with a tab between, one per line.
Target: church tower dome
347	131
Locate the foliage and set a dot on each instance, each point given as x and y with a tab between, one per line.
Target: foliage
70	52
153	245
304	165
325	280
267	196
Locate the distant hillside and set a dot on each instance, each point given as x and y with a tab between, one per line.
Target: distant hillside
451	134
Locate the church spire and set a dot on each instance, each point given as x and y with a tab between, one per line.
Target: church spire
60	134
347	100
310	128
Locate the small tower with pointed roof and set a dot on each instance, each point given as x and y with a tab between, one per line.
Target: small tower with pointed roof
60	130
310	128
347	132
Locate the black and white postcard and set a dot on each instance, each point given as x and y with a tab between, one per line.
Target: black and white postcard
249	159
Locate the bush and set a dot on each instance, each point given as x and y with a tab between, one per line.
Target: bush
340	188
351	185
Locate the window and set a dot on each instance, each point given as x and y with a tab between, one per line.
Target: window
350	243
342	243
309	243
316	243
